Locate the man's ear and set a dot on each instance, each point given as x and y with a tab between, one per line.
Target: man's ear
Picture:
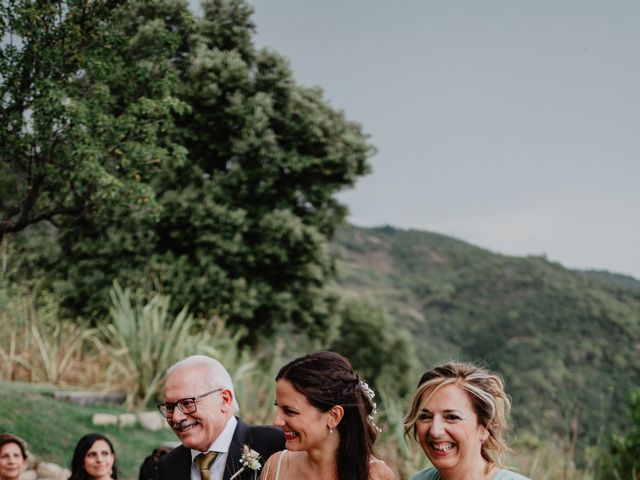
227	399
335	415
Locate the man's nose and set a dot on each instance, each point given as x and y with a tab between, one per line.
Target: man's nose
177	416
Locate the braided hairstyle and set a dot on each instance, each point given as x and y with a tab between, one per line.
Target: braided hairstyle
327	379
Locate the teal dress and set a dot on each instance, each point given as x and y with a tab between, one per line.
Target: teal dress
433	474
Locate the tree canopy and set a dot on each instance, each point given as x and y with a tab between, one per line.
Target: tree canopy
71	146
185	158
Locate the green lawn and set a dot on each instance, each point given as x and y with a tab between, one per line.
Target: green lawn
52	427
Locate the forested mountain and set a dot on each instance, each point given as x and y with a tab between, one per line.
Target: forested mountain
567	342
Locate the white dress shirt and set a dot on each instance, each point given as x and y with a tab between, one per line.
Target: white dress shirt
221	445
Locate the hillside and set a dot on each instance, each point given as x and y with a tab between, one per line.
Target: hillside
567	343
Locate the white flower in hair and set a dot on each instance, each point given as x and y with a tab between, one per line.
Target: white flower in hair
370	394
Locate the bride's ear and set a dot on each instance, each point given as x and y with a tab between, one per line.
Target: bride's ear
335	415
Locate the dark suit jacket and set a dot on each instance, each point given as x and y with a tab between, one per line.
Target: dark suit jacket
176	465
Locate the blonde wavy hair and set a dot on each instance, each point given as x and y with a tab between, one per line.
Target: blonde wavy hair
486	392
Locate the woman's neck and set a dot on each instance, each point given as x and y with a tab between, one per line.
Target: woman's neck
323	462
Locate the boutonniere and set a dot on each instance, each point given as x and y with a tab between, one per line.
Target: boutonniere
250	460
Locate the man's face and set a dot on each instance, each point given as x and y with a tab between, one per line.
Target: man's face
197	430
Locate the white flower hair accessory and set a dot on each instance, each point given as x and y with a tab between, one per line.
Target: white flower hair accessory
370	394
250	460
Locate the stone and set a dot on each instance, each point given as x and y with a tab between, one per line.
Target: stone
28	475
52	471
127	420
91	398
152	421
104	419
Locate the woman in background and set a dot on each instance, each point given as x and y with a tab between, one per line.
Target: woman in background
458	415
93	459
13	455
326	413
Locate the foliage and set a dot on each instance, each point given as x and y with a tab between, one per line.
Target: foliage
235	169
37	344
622	460
565	343
144	339
371	341
71	147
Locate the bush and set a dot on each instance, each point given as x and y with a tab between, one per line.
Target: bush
622	460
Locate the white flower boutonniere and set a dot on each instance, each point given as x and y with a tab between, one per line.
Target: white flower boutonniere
250	460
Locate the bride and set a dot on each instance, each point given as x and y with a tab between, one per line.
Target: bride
326	414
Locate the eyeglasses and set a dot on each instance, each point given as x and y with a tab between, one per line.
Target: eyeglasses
185	405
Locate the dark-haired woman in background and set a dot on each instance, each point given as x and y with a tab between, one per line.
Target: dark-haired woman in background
13	455
458	415
94	459
326	414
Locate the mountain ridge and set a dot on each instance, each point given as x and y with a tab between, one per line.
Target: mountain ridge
567	342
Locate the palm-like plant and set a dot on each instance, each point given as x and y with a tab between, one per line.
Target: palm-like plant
143	340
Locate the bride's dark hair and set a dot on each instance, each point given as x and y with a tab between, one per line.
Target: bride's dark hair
327	379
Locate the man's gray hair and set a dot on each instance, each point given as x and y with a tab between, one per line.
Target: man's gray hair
217	375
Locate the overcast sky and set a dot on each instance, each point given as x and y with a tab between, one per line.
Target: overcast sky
513	125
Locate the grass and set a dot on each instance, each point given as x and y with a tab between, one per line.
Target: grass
52	427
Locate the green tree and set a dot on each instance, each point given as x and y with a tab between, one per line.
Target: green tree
70	147
243	219
380	350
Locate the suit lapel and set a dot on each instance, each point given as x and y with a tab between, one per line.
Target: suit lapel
239	440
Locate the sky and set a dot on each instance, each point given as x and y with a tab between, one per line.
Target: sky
512	125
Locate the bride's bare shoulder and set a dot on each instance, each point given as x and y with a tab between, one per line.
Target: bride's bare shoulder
269	468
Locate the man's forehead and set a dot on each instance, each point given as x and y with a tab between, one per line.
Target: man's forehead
185	382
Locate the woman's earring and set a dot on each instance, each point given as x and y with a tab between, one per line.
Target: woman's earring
330	428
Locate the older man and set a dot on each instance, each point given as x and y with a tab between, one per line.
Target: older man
200	407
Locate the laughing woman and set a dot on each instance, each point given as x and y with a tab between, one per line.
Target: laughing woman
93	459
325	412
13	455
458	415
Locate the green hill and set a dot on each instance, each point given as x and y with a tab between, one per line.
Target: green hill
567	343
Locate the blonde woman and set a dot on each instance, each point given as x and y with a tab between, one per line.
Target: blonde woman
458	415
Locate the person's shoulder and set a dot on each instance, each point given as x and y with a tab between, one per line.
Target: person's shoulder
378	470
267	433
426	474
180	452
263	438
173	461
269	468
265	430
505	474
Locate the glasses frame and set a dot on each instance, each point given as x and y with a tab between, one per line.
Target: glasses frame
172	405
